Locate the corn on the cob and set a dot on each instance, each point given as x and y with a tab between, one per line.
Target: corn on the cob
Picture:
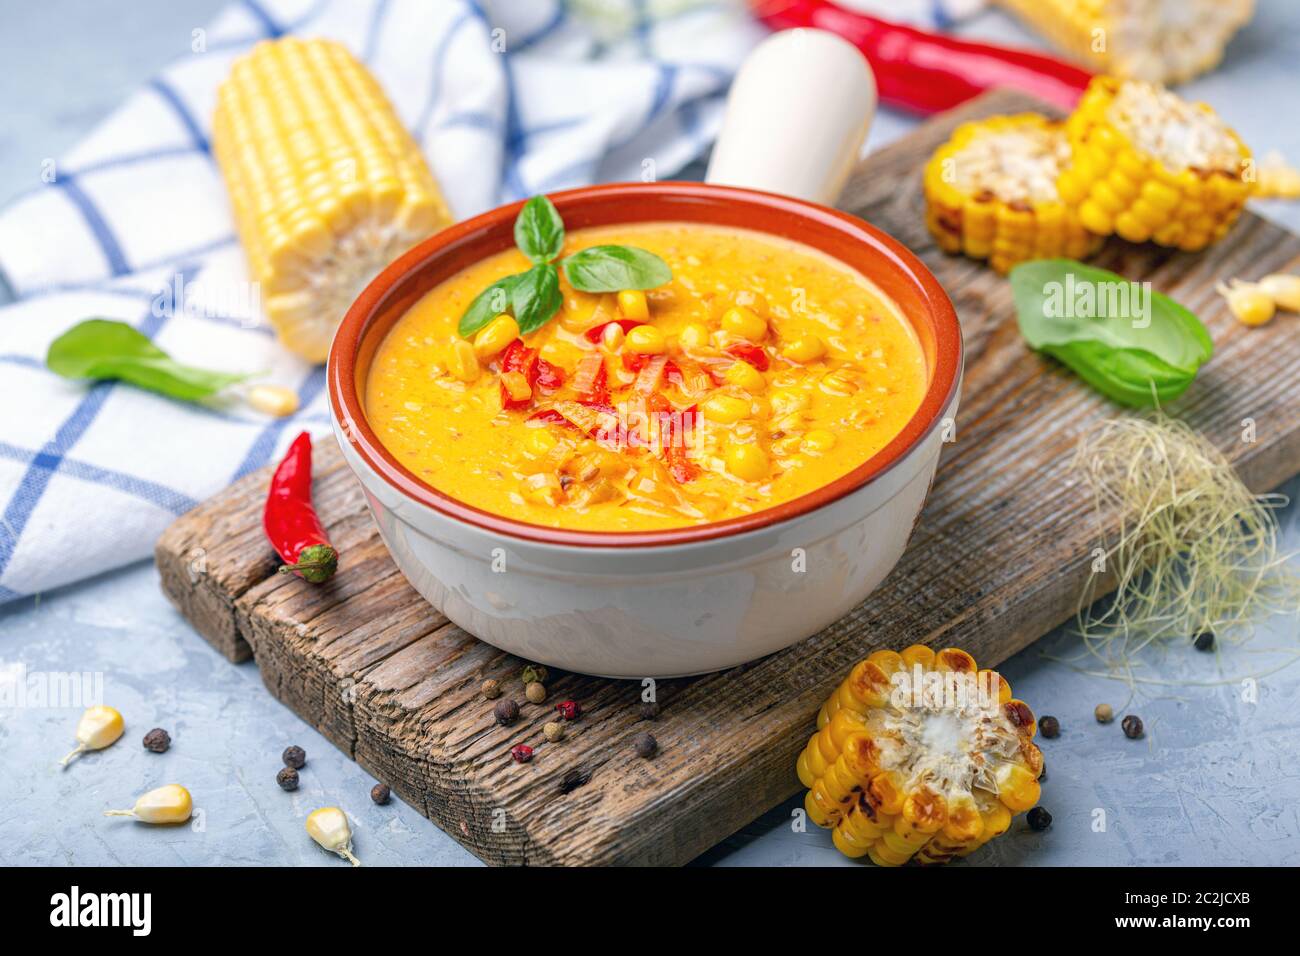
326	185
1139	39
991	193
1146	164
919	756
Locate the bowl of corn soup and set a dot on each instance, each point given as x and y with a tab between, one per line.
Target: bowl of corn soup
654	481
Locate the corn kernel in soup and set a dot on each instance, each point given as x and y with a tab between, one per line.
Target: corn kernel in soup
763	370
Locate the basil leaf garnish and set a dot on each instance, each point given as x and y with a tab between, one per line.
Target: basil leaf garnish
1132	344
487	305
539	231
535	297
107	349
615	268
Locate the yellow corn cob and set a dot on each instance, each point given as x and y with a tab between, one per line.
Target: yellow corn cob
991	193
919	755
1139	39
1148	165
326	185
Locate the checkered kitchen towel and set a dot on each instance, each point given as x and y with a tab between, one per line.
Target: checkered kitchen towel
506	97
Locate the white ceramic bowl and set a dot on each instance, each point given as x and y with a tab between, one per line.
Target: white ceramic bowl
658	603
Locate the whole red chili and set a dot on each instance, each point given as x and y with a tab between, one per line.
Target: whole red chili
290	521
521	753
569	709
926	72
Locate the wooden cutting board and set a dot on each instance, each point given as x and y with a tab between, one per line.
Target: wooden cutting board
999	558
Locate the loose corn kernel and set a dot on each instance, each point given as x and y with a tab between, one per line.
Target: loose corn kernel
786	400
495	336
756	302
1249	303
169	804
806	348
745	376
1284	290
273	400
817	442
693	335
747	462
97	728
539	442
725	409
328	826
462	361
744	323
646	340
632	303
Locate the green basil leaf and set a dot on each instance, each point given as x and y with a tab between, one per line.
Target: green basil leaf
1062	302
487	305
615	268
539	231
535	297
1129	376
105	349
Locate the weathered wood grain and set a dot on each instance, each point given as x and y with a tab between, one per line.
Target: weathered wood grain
999	558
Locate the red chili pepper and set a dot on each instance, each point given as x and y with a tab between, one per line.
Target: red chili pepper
927	72
290	521
596	332
752	354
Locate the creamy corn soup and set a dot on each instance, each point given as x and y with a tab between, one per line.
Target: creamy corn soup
763	370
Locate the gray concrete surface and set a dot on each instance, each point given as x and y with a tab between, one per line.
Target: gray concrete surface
1215	781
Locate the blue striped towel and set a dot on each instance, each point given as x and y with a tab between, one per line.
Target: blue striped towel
507	98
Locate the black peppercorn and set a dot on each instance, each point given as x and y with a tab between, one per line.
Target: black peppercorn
157	740
1042	774
1132	725
287	779
294	757
1050	727
645	745
1038	819
1205	641
506	712
648	710
380	793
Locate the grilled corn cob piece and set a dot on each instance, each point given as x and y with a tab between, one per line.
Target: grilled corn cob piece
991	193
1139	39
919	755
1146	164
326	185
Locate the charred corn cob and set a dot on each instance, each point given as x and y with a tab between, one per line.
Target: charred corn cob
991	193
1146	164
326	185
1139	39
919	755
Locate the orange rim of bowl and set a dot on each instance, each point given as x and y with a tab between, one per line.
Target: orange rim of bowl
856	244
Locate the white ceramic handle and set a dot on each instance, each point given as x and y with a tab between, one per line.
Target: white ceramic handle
797	115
